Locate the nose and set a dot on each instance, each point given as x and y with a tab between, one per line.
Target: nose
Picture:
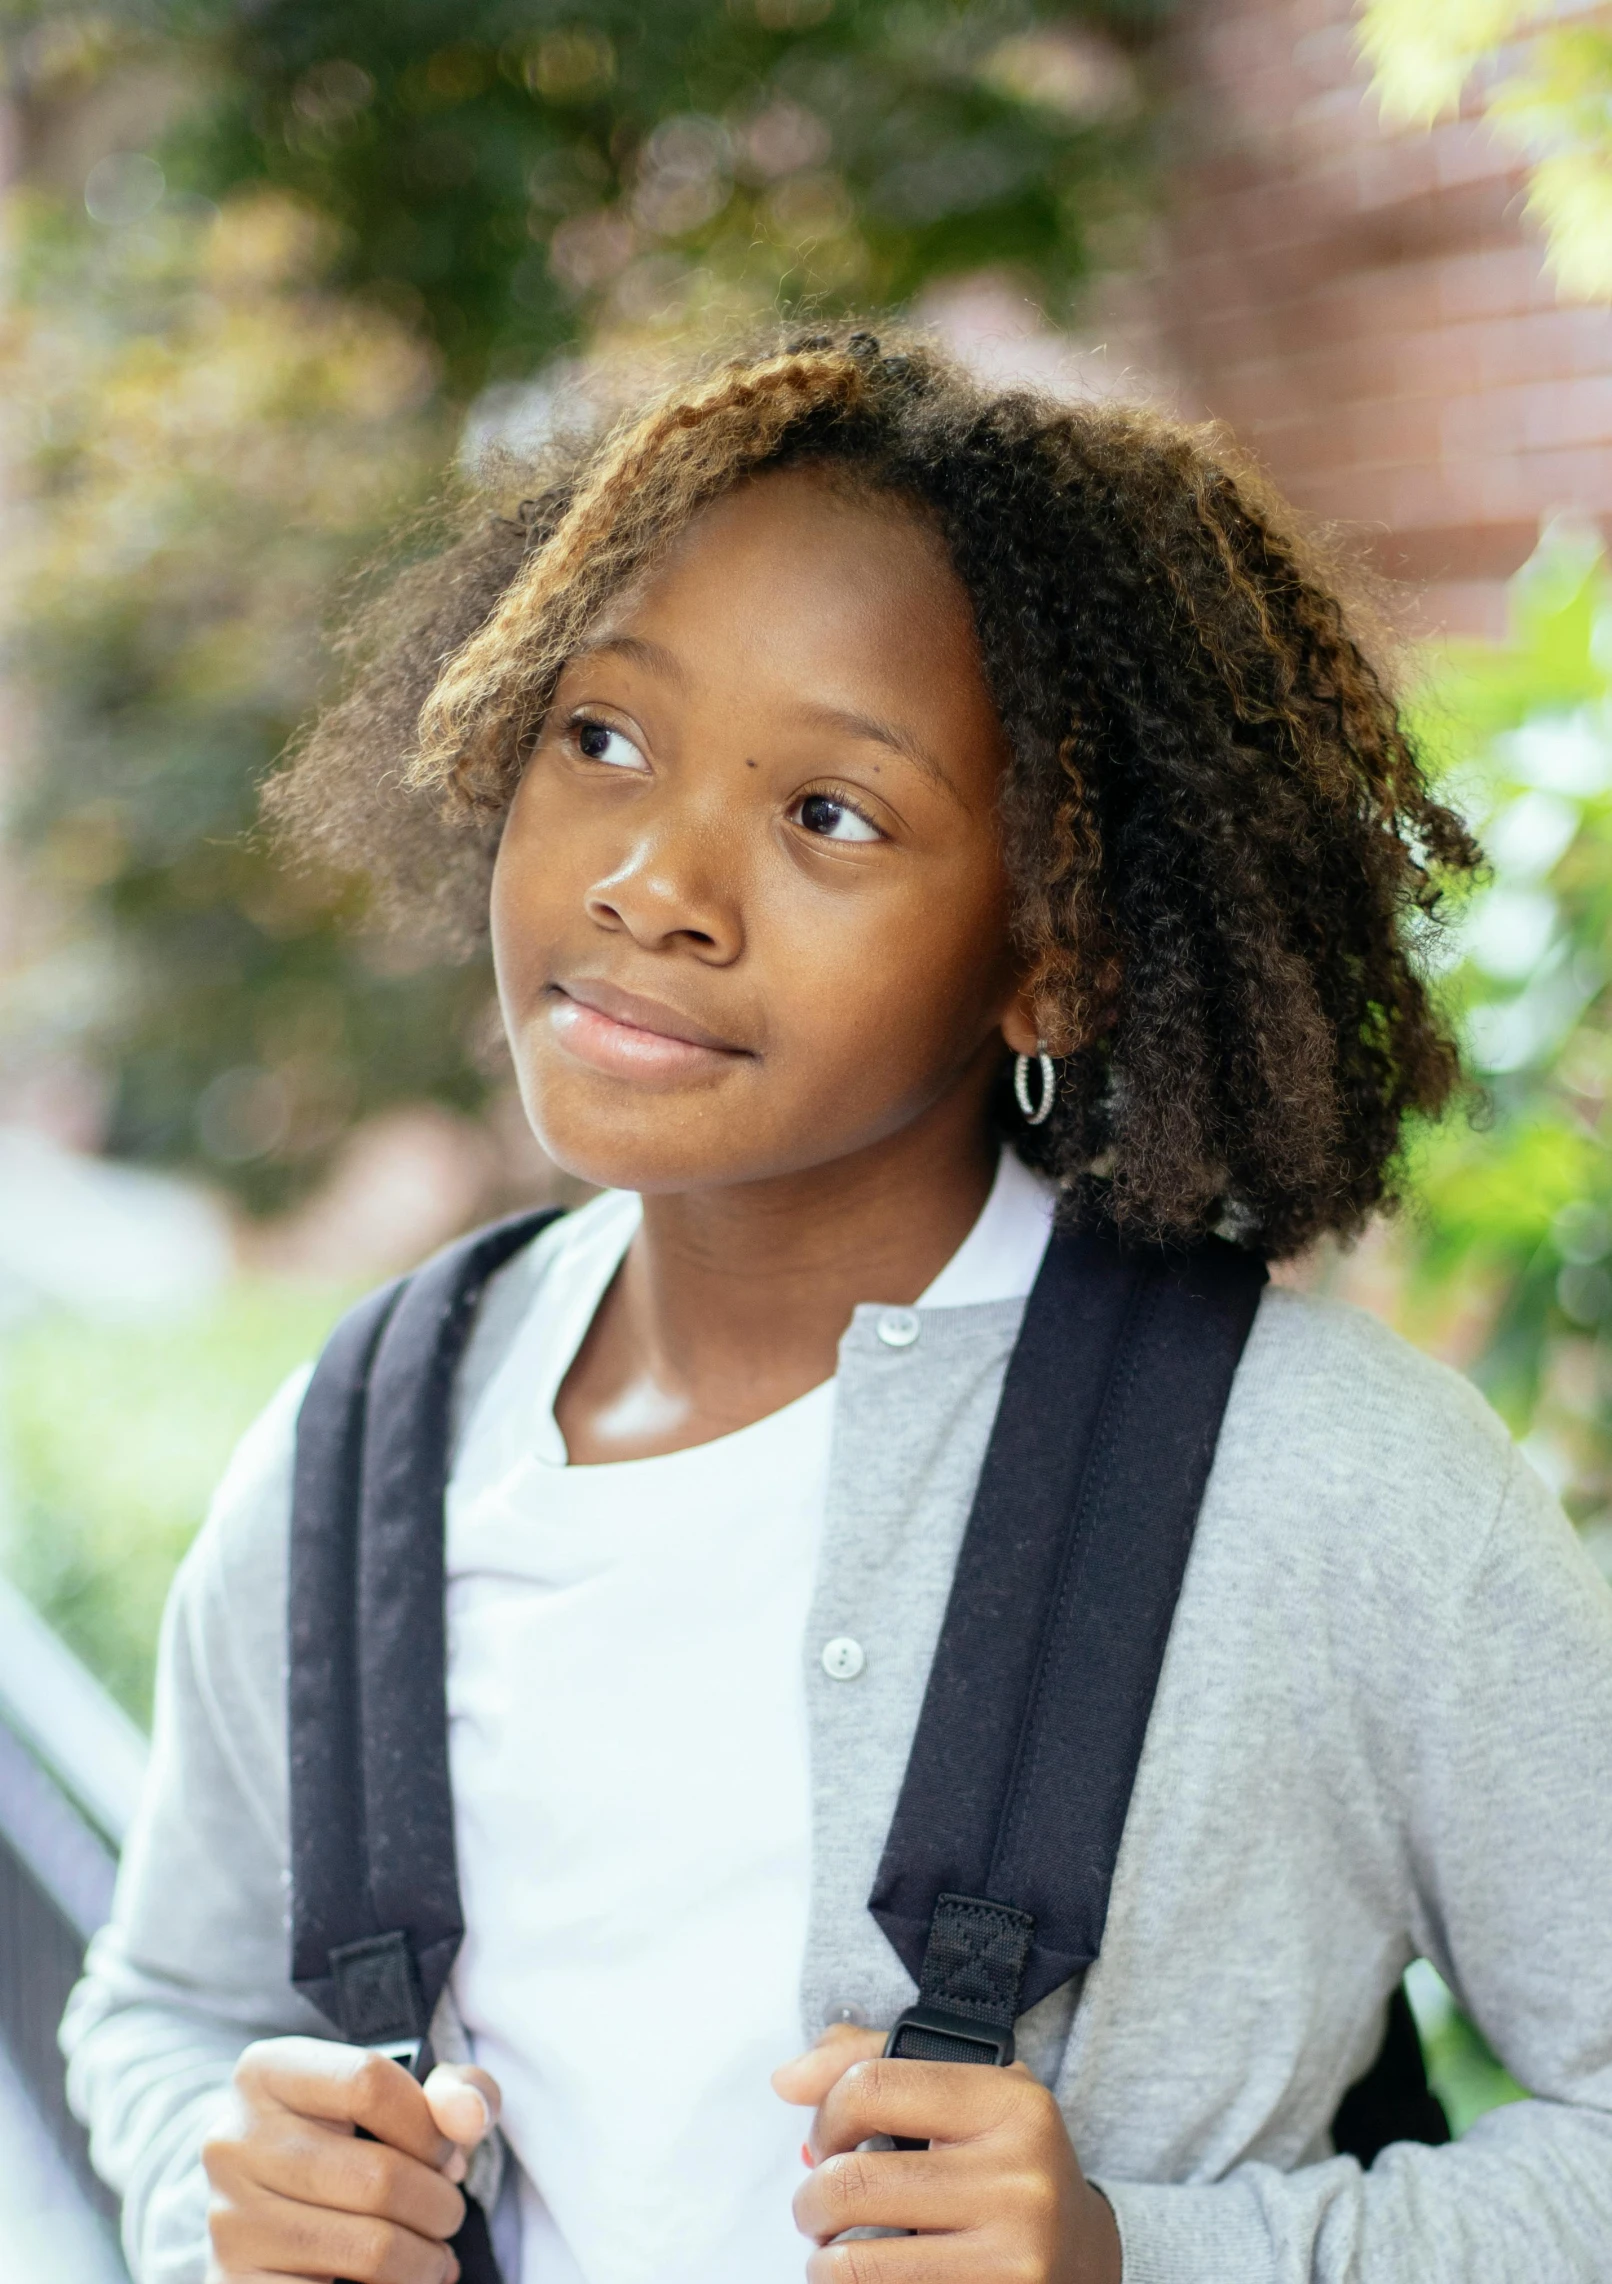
676	886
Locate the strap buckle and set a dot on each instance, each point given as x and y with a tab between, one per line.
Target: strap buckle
934	2034
414	2053
379	2002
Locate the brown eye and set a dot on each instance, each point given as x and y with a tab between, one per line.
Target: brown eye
597	741
831	820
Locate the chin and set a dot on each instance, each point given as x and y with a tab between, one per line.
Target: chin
649	1145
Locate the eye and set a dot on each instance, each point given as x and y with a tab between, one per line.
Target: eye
599	742
829	819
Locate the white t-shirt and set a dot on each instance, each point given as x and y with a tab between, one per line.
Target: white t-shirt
627	1740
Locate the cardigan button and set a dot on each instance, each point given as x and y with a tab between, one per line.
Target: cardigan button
843	1659
898	1328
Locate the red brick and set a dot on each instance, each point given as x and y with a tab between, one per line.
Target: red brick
1464	611
1543	344
1494	281
1535	416
1459	551
1468	154
1369	308
1544	482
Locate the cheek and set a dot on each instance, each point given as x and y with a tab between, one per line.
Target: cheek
900	989
532	891
510	914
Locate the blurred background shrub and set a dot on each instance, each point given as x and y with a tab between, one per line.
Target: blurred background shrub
99	1522
1506	1252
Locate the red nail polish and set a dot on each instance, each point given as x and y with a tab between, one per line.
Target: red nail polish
806	2156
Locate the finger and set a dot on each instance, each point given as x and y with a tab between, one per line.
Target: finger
902	2189
464	2102
285	2235
808	2077
216	2275
347	2085
307	2162
900	2260
915	2101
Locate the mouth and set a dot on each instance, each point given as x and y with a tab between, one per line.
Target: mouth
628	1036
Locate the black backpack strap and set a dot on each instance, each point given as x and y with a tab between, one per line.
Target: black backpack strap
329	1880
376	1921
376	1918
995	1879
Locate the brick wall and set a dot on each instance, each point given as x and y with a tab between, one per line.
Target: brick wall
1369	310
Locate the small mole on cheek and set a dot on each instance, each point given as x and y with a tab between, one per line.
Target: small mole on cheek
750	765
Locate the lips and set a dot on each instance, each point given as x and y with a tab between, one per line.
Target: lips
629	1036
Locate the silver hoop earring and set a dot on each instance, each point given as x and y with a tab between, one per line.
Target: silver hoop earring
1021	1084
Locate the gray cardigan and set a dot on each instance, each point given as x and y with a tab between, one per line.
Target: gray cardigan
1383	1731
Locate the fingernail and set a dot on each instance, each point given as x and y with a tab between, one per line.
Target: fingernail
806	2156
456	2167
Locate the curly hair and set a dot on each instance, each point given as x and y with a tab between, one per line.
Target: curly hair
1225	855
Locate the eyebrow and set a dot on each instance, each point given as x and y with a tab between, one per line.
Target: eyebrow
650	655
891	734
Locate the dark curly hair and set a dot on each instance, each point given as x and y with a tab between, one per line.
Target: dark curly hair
1224	848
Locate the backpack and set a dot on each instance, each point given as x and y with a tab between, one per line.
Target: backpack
994	1883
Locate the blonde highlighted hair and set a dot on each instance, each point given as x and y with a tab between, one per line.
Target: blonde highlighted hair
645	482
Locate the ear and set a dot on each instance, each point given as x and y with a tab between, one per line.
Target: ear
1019	1026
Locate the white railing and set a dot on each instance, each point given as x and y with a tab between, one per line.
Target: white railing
71	1764
61	1712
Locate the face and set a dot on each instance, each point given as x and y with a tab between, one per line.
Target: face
749	912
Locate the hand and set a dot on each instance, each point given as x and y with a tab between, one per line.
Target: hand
998	2195
297	2194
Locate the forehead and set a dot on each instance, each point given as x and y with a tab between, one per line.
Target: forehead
799	575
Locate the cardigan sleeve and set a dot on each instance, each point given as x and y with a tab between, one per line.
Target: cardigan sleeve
194	1966
1511	1838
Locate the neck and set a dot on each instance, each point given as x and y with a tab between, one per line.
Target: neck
731	1302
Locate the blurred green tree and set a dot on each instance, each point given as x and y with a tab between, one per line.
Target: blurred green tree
204	437
1508	1252
514	171
237	353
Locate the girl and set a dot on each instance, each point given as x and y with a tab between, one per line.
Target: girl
911	816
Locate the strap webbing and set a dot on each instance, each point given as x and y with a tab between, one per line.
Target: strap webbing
375	1888
975	1959
1038	1699
973	1966
329	1884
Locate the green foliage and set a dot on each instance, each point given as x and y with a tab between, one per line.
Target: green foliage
231	367
1514	1224
206	436
98	1520
512	173
1549	89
